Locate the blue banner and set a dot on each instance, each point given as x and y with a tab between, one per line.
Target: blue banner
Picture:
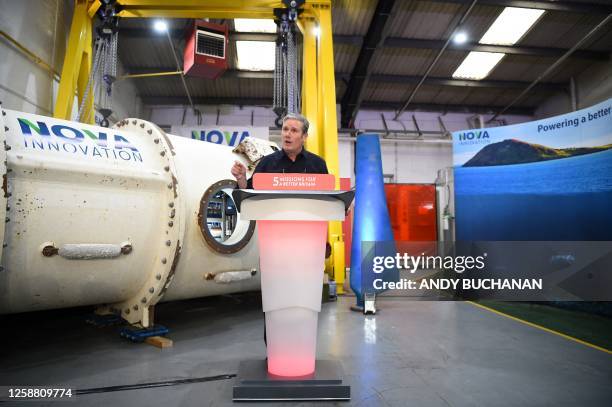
549	179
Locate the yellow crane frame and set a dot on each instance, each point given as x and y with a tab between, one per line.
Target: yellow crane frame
318	81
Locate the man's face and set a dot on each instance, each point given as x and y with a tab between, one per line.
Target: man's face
293	136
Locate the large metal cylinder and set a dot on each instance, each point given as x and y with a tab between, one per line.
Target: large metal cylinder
116	217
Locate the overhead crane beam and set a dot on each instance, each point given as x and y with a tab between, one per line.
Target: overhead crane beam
220	9
319	87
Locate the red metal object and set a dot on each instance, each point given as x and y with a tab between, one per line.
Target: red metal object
206	50
412	209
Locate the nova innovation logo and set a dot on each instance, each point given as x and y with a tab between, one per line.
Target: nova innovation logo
220	137
59	137
474	137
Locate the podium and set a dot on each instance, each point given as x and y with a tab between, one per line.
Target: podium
292	230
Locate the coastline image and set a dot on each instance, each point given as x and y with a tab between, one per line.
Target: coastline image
513	151
553	199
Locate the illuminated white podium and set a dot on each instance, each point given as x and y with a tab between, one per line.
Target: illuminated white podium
292	230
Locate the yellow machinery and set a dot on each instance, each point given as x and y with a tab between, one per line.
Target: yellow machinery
318	86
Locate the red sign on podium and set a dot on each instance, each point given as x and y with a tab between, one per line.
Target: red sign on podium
294	182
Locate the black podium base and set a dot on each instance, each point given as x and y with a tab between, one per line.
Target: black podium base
254	383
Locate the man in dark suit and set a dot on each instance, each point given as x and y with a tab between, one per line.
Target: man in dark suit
292	158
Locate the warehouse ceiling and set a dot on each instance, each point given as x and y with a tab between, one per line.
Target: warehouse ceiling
392	55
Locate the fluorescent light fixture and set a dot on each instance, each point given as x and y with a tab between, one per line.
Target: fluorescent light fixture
255	25
160	26
477	65
507	29
256	55
511	25
460	38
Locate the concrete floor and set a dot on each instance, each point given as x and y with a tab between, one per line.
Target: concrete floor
419	353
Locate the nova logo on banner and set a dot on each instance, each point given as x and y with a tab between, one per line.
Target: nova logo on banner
471	135
474	137
223	135
59	137
220	137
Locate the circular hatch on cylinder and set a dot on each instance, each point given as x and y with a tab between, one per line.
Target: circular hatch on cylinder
220	222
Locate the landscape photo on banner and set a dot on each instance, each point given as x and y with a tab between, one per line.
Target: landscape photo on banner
223	135
549	179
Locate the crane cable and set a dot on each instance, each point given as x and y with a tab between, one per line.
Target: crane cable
286	98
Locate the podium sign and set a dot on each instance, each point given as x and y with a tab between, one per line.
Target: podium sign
294	182
292	212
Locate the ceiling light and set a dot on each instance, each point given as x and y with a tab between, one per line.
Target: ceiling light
477	65
511	25
460	38
256	55
255	25
160	26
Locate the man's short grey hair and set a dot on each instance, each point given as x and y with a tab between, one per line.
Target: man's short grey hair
300	118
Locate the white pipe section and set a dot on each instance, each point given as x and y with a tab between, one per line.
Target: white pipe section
111	217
